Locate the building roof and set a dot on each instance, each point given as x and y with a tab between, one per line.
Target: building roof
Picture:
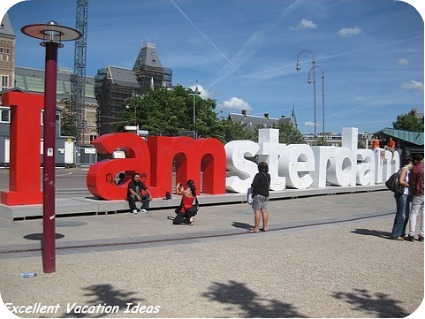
6	29
32	80
148	57
122	76
253	122
416	138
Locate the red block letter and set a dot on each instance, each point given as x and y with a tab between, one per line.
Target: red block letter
190	157
100	177
24	174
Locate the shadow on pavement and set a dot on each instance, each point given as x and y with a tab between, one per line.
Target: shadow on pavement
250	303
377	305
103	295
369	232
241	225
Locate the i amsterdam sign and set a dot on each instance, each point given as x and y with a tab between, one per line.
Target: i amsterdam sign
224	167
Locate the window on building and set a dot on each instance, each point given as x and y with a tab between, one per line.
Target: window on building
19	82
4	115
4	82
35	84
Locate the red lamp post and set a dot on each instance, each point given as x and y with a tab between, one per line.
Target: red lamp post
52	35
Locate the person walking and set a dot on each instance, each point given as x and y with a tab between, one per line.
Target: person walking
402	201
134	193
260	196
416	181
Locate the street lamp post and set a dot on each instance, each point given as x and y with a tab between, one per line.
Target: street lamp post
323	95
128	101
298	68
52	35
195	93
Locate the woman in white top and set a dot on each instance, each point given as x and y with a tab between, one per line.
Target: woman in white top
403	202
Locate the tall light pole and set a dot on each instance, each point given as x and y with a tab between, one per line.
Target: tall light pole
323	96
298	68
128	101
52	35
195	93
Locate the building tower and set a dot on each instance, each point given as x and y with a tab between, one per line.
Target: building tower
7	54
149	71
78	79
115	85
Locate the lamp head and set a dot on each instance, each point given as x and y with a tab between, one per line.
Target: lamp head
51	32
298	67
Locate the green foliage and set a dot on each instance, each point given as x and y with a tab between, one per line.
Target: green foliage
321	141
229	131
361	144
289	134
68	121
170	113
409	122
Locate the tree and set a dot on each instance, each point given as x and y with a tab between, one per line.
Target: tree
68	127
170	113
229	131
289	134
409	122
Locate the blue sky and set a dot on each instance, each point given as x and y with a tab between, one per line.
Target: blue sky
243	53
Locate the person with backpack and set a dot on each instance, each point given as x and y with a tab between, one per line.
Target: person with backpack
260	196
402	201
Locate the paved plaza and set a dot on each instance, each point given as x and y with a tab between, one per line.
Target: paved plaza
323	256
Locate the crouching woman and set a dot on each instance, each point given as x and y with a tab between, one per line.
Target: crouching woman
184	212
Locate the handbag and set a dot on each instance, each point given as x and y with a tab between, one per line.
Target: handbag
194	209
393	183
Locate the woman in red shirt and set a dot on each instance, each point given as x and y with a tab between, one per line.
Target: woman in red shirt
188	200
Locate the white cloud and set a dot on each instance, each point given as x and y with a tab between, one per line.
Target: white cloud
204	93
413	86
402	61
306	24
349	32
309	124
236	103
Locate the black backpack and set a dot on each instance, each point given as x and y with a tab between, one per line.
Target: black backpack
393	183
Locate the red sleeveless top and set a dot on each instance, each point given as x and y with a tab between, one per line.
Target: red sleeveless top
187	203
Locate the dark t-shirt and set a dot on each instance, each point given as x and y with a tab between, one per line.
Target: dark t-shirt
261	184
136	186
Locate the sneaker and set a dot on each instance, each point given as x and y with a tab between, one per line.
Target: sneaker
409	238
421	239
135	211
144	211
398	238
